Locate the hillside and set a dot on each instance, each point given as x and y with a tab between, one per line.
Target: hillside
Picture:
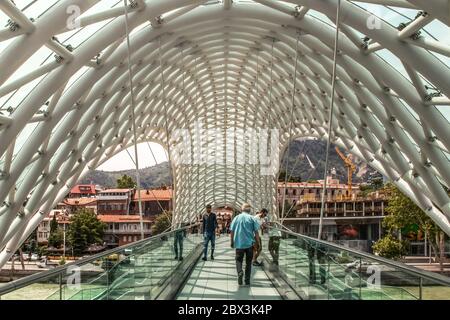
315	150
151	177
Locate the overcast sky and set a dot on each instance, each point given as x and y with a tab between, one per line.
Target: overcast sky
122	160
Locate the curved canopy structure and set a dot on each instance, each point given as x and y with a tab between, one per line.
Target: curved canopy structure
209	67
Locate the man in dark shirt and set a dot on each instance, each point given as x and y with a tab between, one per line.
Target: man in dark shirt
209	231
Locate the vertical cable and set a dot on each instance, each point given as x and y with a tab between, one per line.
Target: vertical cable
330	119
130	76
255	123
268	201
166	125
291	115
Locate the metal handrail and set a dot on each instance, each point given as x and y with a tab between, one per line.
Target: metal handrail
408	269
23	282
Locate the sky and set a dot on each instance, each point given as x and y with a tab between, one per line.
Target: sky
122	161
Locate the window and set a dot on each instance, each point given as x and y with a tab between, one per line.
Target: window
294	192
124	238
130	238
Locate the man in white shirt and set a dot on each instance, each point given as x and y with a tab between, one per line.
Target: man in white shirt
274	237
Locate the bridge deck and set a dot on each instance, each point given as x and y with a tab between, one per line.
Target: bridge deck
217	279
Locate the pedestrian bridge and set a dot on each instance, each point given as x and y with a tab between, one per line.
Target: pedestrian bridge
224	87
308	269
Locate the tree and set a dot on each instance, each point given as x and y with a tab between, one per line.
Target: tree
390	247
30	244
53	224
126	182
162	222
56	236
84	230
292	178
404	213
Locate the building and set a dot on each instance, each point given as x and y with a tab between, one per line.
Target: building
304	190
71	205
114	201
123	229
83	191
352	222
154	201
43	229
350	218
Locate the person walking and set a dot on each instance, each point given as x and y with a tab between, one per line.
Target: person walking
322	258
317	250
244	233
274	237
310	248
179	236
257	247
209	231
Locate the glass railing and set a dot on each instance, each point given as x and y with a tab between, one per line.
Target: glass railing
321	270
139	271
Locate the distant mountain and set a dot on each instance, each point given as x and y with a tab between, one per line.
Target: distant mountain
151	177
298	167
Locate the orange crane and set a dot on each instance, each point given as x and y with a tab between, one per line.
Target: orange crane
350	169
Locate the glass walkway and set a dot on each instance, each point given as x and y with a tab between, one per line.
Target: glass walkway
308	269
217	279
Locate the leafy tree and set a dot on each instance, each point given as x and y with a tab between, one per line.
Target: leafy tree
390	247
30	244
56	238
404	213
162	222
292	177
126	182
53	224
84	230
377	183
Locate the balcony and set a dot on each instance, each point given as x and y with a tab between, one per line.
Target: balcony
138	231
109	198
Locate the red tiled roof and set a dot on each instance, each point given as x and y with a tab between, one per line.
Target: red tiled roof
120	218
115	190
154	194
83	188
79	201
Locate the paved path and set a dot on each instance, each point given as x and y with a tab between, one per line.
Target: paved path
217	280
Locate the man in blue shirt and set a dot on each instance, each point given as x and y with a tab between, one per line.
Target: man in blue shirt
244	233
209	231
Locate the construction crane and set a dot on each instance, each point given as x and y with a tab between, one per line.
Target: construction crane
350	169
